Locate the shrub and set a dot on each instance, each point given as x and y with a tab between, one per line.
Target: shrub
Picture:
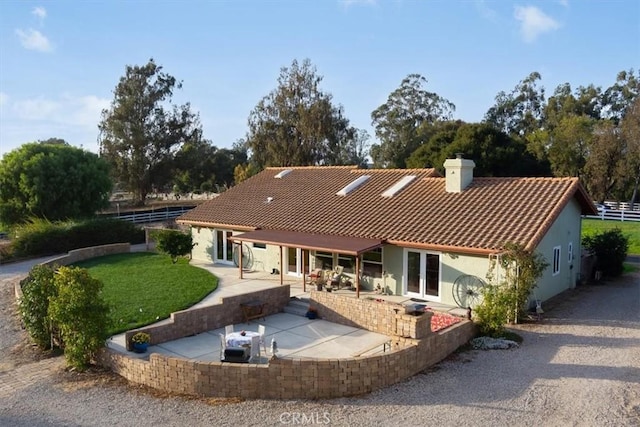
37	288
173	243
41	237
610	248
506	301
81	315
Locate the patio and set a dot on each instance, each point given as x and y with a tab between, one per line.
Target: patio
296	337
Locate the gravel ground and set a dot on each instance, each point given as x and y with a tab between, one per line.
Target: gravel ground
580	366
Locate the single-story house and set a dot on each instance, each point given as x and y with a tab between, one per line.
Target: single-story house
408	232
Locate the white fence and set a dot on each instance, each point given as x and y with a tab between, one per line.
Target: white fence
616	215
153	215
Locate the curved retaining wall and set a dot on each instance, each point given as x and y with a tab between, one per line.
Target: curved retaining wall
80	255
290	378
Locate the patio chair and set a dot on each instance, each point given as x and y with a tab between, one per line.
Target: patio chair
255	349
228	329
223	346
262	331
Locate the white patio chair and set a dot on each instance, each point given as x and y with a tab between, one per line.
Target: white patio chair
223	346
228	329
262	330
255	349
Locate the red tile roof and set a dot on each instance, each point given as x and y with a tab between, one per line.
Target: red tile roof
480	219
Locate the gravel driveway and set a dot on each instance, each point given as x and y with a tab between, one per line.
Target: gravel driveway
580	366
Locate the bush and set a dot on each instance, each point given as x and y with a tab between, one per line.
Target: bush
610	248
37	288
173	243
41	237
81	315
506	301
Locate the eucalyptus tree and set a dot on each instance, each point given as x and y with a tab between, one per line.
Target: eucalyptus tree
297	123
142	130
519	112
397	121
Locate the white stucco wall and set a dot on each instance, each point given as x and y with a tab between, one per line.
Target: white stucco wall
564	231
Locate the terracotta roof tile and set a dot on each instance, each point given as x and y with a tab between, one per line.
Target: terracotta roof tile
487	214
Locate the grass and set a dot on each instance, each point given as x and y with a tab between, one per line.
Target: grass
143	287
629	228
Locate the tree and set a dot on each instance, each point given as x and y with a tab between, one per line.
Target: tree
631	139
53	181
604	164
174	243
397	121
142	130
297	124
520	112
570	142
622	94
610	248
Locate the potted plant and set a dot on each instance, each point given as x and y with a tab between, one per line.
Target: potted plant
312	313
140	342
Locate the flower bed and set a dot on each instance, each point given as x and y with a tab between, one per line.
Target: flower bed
442	320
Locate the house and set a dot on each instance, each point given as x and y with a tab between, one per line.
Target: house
408	232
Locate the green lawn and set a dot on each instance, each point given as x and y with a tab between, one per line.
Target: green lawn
628	228
143	287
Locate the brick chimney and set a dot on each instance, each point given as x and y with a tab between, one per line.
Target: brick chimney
459	173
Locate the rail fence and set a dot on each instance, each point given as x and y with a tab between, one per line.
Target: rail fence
158	215
617	211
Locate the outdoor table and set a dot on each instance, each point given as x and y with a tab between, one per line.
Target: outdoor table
236	339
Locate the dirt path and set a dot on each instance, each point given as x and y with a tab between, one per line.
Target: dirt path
580	366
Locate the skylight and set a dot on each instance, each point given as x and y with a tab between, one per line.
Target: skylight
283	173
353	185
398	186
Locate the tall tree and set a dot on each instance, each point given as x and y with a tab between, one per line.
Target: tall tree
397	120
54	181
570	143
631	139
297	123
520	112
142	130
603	167
618	97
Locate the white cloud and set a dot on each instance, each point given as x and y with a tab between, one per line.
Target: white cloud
348	3
36	109
34	40
564	3
4	99
534	22
40	12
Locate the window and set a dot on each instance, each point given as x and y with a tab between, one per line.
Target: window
348	262
372	263
260	245
556	260
324	260
570	252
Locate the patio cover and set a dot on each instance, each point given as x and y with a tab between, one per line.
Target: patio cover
318	242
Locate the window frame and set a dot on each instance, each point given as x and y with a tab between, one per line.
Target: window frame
557	259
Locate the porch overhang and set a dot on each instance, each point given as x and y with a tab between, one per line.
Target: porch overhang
319	242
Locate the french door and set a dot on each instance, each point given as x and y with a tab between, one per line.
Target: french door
294	257
224	247
422	274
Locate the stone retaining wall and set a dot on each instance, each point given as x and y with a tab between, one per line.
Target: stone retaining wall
378	316
197	320
77	255
290	378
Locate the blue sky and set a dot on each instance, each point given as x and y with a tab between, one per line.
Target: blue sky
61	60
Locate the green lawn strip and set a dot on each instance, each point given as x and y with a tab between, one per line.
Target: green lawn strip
630	229
144	287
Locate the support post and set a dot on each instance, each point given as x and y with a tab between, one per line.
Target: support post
357	276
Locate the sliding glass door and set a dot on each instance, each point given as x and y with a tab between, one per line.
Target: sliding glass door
422	274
